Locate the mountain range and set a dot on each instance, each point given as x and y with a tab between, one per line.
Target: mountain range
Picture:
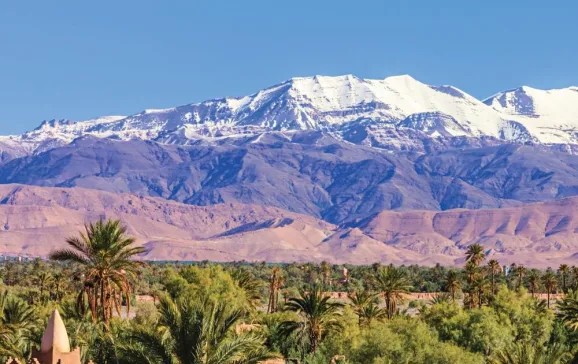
342	151
388	114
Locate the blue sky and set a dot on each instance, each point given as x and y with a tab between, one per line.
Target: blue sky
80	59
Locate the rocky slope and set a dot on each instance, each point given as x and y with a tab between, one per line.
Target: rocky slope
311	173
36	220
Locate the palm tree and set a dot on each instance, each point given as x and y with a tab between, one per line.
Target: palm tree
275	283
471	271
550	283
564	270
365	305
195	332
17	324
520	273
317	317
393	284
453	284
360	299
9	273
475	254
250	285
511	273
325	273
539	307
370	313
529	353
568	310
441	298
533	281
104	252
574	270
495	268
43	280
479	288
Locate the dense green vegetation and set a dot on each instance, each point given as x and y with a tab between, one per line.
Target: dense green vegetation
248	312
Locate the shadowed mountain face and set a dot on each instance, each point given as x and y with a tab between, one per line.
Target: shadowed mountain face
307	172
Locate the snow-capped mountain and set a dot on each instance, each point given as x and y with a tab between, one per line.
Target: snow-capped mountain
50	134
322	103
392	113
551	116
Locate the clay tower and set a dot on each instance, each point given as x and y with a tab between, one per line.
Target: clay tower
55	346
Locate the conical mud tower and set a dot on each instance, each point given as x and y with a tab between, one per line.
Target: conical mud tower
55	346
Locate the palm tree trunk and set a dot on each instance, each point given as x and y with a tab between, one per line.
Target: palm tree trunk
480	299
314	341
493	284
388	307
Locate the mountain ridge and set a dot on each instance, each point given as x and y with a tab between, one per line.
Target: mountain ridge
339	104
310	173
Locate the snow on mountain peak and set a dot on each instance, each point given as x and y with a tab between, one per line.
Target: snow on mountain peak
53	124
341	105
551	116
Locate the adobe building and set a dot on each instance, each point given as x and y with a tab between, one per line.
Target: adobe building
55	346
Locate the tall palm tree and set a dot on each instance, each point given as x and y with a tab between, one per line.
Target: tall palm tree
494	268
475	254
520	273
511	275
195	332
574	271
325	273
393	284
471	271
568	310
276	281
564	270
533	281
550	283
453	284
318	316
105	254
479	288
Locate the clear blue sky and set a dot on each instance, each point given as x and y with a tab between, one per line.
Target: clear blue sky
80	59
